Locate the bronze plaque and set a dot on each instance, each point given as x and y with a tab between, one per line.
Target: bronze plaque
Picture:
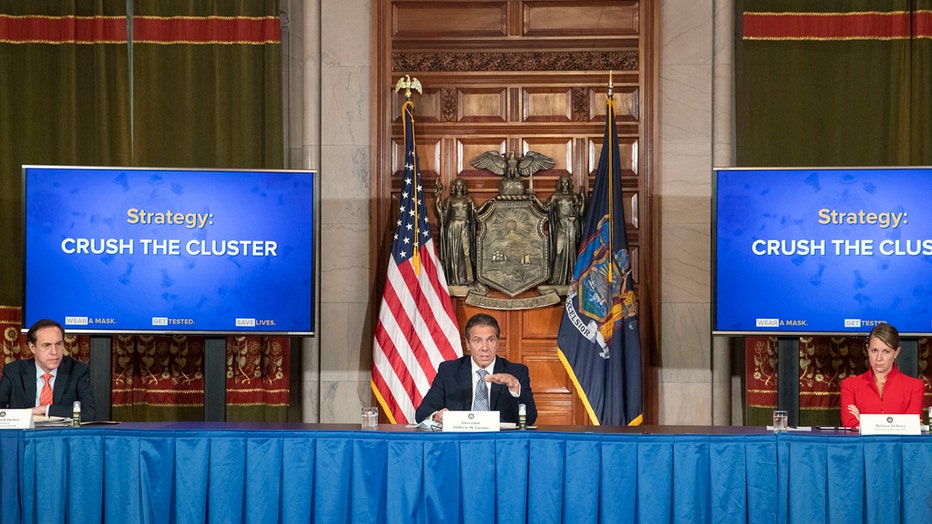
512	245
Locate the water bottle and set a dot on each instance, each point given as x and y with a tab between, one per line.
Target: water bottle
522	416
76	413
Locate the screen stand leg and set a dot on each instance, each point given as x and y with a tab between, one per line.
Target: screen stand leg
101	375
215	379
788	378
908	359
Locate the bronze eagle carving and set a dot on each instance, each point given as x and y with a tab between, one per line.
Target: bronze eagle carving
512	166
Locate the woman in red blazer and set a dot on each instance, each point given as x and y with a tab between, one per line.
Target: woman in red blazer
882	389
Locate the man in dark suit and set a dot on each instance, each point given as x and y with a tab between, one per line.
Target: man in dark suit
455	387
23	381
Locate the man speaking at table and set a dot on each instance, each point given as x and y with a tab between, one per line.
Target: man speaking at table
480	381
50	382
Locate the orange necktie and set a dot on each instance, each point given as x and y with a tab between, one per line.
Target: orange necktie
45	397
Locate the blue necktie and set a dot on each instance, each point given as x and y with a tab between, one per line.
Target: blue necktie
481	402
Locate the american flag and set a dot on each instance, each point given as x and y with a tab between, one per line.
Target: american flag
417	328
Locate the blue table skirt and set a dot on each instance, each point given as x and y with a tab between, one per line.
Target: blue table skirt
119	474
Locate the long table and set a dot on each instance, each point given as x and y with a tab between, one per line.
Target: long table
229	473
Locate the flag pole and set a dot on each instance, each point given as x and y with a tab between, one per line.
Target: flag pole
417	326
407	112
598	341
610	106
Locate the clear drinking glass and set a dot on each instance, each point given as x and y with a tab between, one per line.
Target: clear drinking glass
779	421
370	418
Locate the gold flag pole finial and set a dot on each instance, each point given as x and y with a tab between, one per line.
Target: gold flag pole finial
610	84
407	83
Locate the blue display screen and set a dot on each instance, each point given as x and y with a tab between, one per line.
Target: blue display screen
129	250
822	250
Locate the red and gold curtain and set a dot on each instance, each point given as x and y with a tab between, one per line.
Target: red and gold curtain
829	83
144	83
833	83
162	378
207	82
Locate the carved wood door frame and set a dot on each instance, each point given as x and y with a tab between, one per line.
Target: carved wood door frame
519	75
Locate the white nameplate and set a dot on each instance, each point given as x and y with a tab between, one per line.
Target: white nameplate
16	419
890	424
471	421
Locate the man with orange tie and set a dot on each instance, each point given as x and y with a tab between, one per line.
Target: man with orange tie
50	382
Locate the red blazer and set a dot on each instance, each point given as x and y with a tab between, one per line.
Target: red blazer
901	394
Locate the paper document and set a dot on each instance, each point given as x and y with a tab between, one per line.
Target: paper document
43	421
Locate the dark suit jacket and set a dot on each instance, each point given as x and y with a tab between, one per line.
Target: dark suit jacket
73	382
452	389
